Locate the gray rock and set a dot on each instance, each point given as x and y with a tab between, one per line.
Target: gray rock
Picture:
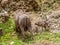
54	21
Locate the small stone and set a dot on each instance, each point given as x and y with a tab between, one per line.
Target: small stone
12	43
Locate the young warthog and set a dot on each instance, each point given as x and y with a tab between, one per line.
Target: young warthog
43	24
23	24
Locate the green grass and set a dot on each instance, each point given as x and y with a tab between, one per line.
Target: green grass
58	1
10	37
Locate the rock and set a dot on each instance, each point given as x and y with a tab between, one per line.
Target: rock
54	21
4	16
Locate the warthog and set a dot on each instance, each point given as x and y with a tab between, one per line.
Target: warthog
23	24
43	24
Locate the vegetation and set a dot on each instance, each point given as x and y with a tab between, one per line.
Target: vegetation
11	38
9	35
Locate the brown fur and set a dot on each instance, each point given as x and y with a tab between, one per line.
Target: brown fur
23	24
43	24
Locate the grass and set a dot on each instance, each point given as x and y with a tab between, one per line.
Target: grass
58	0
10	37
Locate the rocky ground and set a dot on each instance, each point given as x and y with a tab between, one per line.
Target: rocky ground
45	43
45	10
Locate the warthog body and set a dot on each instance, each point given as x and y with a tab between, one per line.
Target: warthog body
23	24
43	24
